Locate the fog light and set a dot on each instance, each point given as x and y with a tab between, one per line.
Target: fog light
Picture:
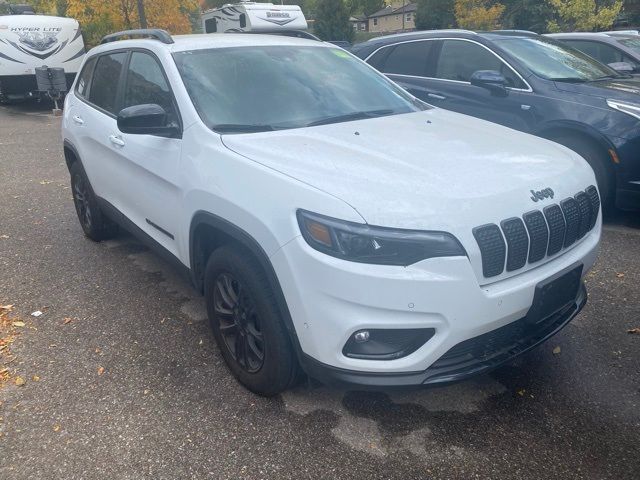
361	336
386	344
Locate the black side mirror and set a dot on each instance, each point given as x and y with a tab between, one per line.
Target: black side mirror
491	80
148	119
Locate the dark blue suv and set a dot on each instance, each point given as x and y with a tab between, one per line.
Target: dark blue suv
530	83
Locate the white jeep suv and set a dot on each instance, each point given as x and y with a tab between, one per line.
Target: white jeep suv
333	222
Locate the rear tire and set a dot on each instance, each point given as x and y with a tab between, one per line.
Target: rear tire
598	159
94	223
247	324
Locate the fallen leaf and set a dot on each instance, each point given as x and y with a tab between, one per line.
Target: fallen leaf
635	331
6	307
35	378
45	182
67	320
18	324
556	351
37	313
4	370
619	275
56	428
98	350
4	237
521	392
20	381
100	370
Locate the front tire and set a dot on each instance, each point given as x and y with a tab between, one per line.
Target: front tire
94	223
247	324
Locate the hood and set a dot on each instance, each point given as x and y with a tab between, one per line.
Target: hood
627	89
431	170
421	170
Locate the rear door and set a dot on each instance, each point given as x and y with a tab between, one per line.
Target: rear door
94	122
409	65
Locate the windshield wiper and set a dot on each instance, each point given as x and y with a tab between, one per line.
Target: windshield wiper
351	116
241	128
569	80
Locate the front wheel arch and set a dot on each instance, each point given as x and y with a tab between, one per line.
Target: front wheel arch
210	232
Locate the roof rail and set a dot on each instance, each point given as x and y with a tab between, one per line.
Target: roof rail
284	33
529	32
154	33
423	32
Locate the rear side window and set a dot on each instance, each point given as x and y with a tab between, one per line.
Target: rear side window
146	83
459	59
82	85
408	59
104	86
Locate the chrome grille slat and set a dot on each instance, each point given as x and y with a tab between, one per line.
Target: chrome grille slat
538	235
517	243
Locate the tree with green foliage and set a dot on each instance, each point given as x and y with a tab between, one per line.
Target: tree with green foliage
583	15
434	14
531	15
367	7
332	20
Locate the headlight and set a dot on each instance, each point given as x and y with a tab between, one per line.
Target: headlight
629	108
378	245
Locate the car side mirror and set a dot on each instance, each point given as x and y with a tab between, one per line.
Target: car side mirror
490	80
621	67
147	119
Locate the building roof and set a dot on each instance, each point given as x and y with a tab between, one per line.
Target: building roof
389	10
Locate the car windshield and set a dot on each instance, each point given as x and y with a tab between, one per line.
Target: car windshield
554	61
253	89
632	43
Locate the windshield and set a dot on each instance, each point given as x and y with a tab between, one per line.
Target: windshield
251	89
632	43
553	61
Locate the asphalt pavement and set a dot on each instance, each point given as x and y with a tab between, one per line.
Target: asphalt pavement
131	384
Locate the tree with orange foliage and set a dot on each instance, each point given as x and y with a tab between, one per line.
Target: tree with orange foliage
478	15
101	17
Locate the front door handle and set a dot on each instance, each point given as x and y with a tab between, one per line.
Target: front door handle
77	120
116	140
435	96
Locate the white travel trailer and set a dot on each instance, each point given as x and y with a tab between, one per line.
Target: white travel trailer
253	17
31	41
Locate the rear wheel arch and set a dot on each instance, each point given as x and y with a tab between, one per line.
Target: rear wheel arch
71	155
207	233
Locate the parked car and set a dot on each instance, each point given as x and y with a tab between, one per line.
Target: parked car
531	83
333	221
615	50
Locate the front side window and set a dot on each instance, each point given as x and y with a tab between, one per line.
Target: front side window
554	61
106	76
632	43
249	89
601	51
146	83
460	59
408	58
85	76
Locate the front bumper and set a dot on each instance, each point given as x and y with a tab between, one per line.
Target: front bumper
467	359
330	299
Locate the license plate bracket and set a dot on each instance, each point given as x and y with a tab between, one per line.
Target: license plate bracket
555	293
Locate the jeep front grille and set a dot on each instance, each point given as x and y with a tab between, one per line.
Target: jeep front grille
542	233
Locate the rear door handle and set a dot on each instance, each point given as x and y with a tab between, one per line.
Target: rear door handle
435	96
116	140
77	120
